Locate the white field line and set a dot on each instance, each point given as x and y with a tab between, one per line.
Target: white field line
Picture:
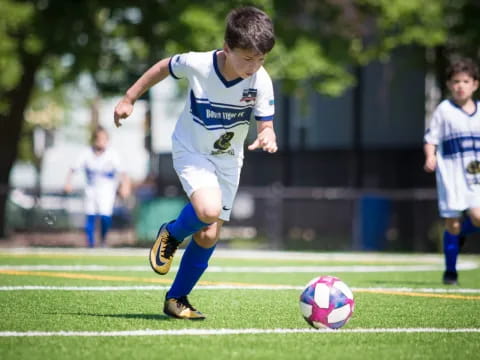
228	287
205	332
463	265
238	254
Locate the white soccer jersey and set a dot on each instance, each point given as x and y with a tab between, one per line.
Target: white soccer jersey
457	136
217	113
102	176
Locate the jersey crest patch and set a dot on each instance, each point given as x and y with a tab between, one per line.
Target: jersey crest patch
473	167
249	95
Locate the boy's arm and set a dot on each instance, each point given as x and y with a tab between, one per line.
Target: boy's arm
430	157
266	139
155	74
125	187
68	188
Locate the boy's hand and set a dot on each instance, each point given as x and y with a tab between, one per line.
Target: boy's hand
123	110
124	190
430	164
68	188
266	140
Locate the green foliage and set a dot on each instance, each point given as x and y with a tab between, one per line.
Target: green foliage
317	41
13	16
403	22
323	41
115	41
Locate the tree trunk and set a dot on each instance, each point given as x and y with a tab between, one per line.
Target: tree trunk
11	123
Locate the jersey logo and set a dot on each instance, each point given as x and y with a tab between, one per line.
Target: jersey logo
249	95
473	167
223	143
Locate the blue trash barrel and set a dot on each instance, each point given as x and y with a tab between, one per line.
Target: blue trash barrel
373	216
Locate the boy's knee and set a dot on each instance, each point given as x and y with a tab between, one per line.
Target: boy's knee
206	237
209	215
453	227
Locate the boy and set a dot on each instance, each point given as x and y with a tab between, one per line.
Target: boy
226	87
103	173
452	145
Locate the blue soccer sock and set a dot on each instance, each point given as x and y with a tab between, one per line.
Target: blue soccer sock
90	230
106	224
468	227
186	224
451	249
192	266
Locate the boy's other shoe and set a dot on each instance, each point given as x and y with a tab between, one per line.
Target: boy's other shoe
162	251
180	308
450	278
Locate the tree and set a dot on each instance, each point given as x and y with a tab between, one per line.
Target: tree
116	40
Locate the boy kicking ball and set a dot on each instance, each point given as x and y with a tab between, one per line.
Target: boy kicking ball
452	149
227	88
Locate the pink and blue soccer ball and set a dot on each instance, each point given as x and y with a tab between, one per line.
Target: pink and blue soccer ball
327	302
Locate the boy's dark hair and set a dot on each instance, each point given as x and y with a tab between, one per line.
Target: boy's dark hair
249	28
462	65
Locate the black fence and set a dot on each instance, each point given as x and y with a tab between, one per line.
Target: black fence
269	217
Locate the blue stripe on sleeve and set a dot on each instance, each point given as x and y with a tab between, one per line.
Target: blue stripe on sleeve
171	70
264	118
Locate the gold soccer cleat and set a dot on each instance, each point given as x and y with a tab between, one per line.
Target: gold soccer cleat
162	251
180	308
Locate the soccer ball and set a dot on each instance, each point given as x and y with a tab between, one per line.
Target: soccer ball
327	302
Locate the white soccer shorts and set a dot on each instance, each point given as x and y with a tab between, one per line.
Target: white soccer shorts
197	171
99	202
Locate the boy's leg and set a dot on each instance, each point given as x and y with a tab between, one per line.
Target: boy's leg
451	248
470	224
106	224
186	224
192	266
204	202
468	227
90	230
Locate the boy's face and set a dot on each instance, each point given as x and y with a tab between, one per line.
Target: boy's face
101	141
462	86
244	62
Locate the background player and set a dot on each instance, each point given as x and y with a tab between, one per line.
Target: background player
104	174
227	88
452	145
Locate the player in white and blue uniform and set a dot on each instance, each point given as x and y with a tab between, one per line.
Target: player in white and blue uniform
212	128
103	173
452	148
228	89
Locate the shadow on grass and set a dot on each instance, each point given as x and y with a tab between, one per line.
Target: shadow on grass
124	316
408	282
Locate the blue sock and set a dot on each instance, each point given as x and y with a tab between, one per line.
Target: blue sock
186	224
90	230
468	227
193	264
106	224
451	249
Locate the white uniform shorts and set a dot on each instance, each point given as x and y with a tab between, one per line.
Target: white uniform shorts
452	202
99	202
197	171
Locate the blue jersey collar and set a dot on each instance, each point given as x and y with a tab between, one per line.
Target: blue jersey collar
219	74
453	103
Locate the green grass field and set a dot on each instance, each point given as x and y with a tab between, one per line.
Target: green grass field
107	304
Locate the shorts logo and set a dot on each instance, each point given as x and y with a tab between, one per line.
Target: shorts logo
249	95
